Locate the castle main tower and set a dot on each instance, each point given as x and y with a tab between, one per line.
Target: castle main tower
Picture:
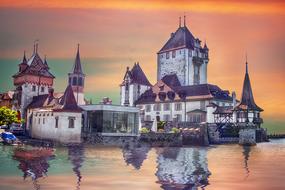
184	56
76	79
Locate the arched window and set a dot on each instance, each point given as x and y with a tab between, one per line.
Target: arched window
74	82
80	81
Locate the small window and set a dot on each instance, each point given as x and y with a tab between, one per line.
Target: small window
178	107
166	107
71	122
80	83
47	114
42	89
148	118
167	55
157	107
33	88
44	120
74	82
178	117
148	108
39	120
69	80
173	54
166	117
56	122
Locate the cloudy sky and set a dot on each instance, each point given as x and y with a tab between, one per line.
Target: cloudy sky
115	34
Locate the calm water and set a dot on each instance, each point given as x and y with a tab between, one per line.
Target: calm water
144	168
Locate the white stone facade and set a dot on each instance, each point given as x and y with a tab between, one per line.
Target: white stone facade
132	94
28	92
64	127
178	111
180	62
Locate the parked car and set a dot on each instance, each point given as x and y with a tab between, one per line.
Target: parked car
4	127
8	138
17	128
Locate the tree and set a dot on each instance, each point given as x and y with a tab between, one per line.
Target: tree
8	116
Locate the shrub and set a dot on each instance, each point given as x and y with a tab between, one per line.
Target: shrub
144	130
175	130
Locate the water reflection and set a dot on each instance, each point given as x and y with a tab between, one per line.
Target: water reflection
182	168
135	155
246	154
76	157
33	163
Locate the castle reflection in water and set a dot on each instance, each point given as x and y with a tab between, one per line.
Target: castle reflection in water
176	168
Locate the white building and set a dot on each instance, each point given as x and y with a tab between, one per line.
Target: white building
133	86
167	100
55	118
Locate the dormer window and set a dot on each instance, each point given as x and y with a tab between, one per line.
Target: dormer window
33	88
42	89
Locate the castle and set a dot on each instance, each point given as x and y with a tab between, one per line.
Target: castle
182	92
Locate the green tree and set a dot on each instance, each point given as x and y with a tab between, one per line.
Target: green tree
8	116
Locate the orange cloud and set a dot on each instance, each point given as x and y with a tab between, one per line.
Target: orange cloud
222	6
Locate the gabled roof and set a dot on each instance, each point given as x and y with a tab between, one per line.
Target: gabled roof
77	69
247	99
171	80
56	102
137	75
181	38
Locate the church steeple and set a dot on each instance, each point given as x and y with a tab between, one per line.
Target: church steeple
77	65
76	79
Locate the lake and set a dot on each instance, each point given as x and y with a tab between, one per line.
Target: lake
220	167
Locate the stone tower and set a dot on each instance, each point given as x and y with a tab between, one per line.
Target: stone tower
32	79
76	79
184	56
134	84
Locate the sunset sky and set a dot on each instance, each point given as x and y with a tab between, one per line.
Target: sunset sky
115	34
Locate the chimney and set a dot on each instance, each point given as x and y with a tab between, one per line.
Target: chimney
234	99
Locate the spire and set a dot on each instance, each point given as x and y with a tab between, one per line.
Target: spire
184	20
36	46
246	64
180	22
247	98
77	65
24	58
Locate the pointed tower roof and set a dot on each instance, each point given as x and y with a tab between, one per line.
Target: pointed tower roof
247	99
77	69
137	75
182	38
68	101
24	58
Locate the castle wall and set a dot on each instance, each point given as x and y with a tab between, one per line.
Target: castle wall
44	126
